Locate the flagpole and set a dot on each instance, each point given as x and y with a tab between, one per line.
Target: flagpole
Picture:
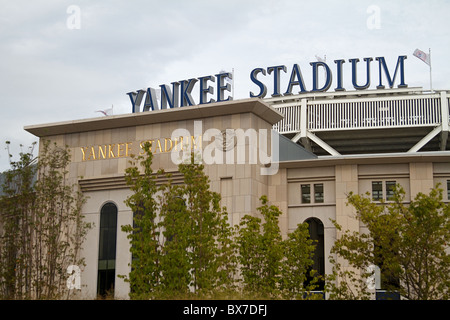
431	80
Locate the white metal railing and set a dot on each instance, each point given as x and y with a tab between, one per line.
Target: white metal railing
371	113
291	121
374	113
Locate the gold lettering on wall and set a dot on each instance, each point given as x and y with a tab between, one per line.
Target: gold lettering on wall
111	151
91	154
123	149
83	151
128	148
102	152
168	147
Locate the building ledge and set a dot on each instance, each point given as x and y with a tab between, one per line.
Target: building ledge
383	158
254	105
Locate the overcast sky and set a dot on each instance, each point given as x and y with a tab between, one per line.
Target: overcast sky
63	60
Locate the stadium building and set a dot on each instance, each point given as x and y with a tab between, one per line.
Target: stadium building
323	146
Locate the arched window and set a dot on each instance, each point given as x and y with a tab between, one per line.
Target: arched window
316	232
107	250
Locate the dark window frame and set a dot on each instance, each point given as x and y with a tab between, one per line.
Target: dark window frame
377	193
305	190
319	194
390	187
448	189
107	249
317	233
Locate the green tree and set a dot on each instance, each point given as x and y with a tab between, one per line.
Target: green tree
207	233
16	202
260	252
180	241
272	267
144	233
183	246
408	242
175	261
42	226
251	256
298	250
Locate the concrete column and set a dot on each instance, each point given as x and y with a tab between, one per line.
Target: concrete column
420	177
346	182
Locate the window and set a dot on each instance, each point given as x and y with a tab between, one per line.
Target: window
390	186
377	190
316	232
306	193
318	193
448	189
107	250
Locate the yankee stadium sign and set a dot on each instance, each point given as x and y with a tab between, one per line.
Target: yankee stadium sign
213	88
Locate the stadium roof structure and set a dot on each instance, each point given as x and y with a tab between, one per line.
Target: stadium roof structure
340	123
